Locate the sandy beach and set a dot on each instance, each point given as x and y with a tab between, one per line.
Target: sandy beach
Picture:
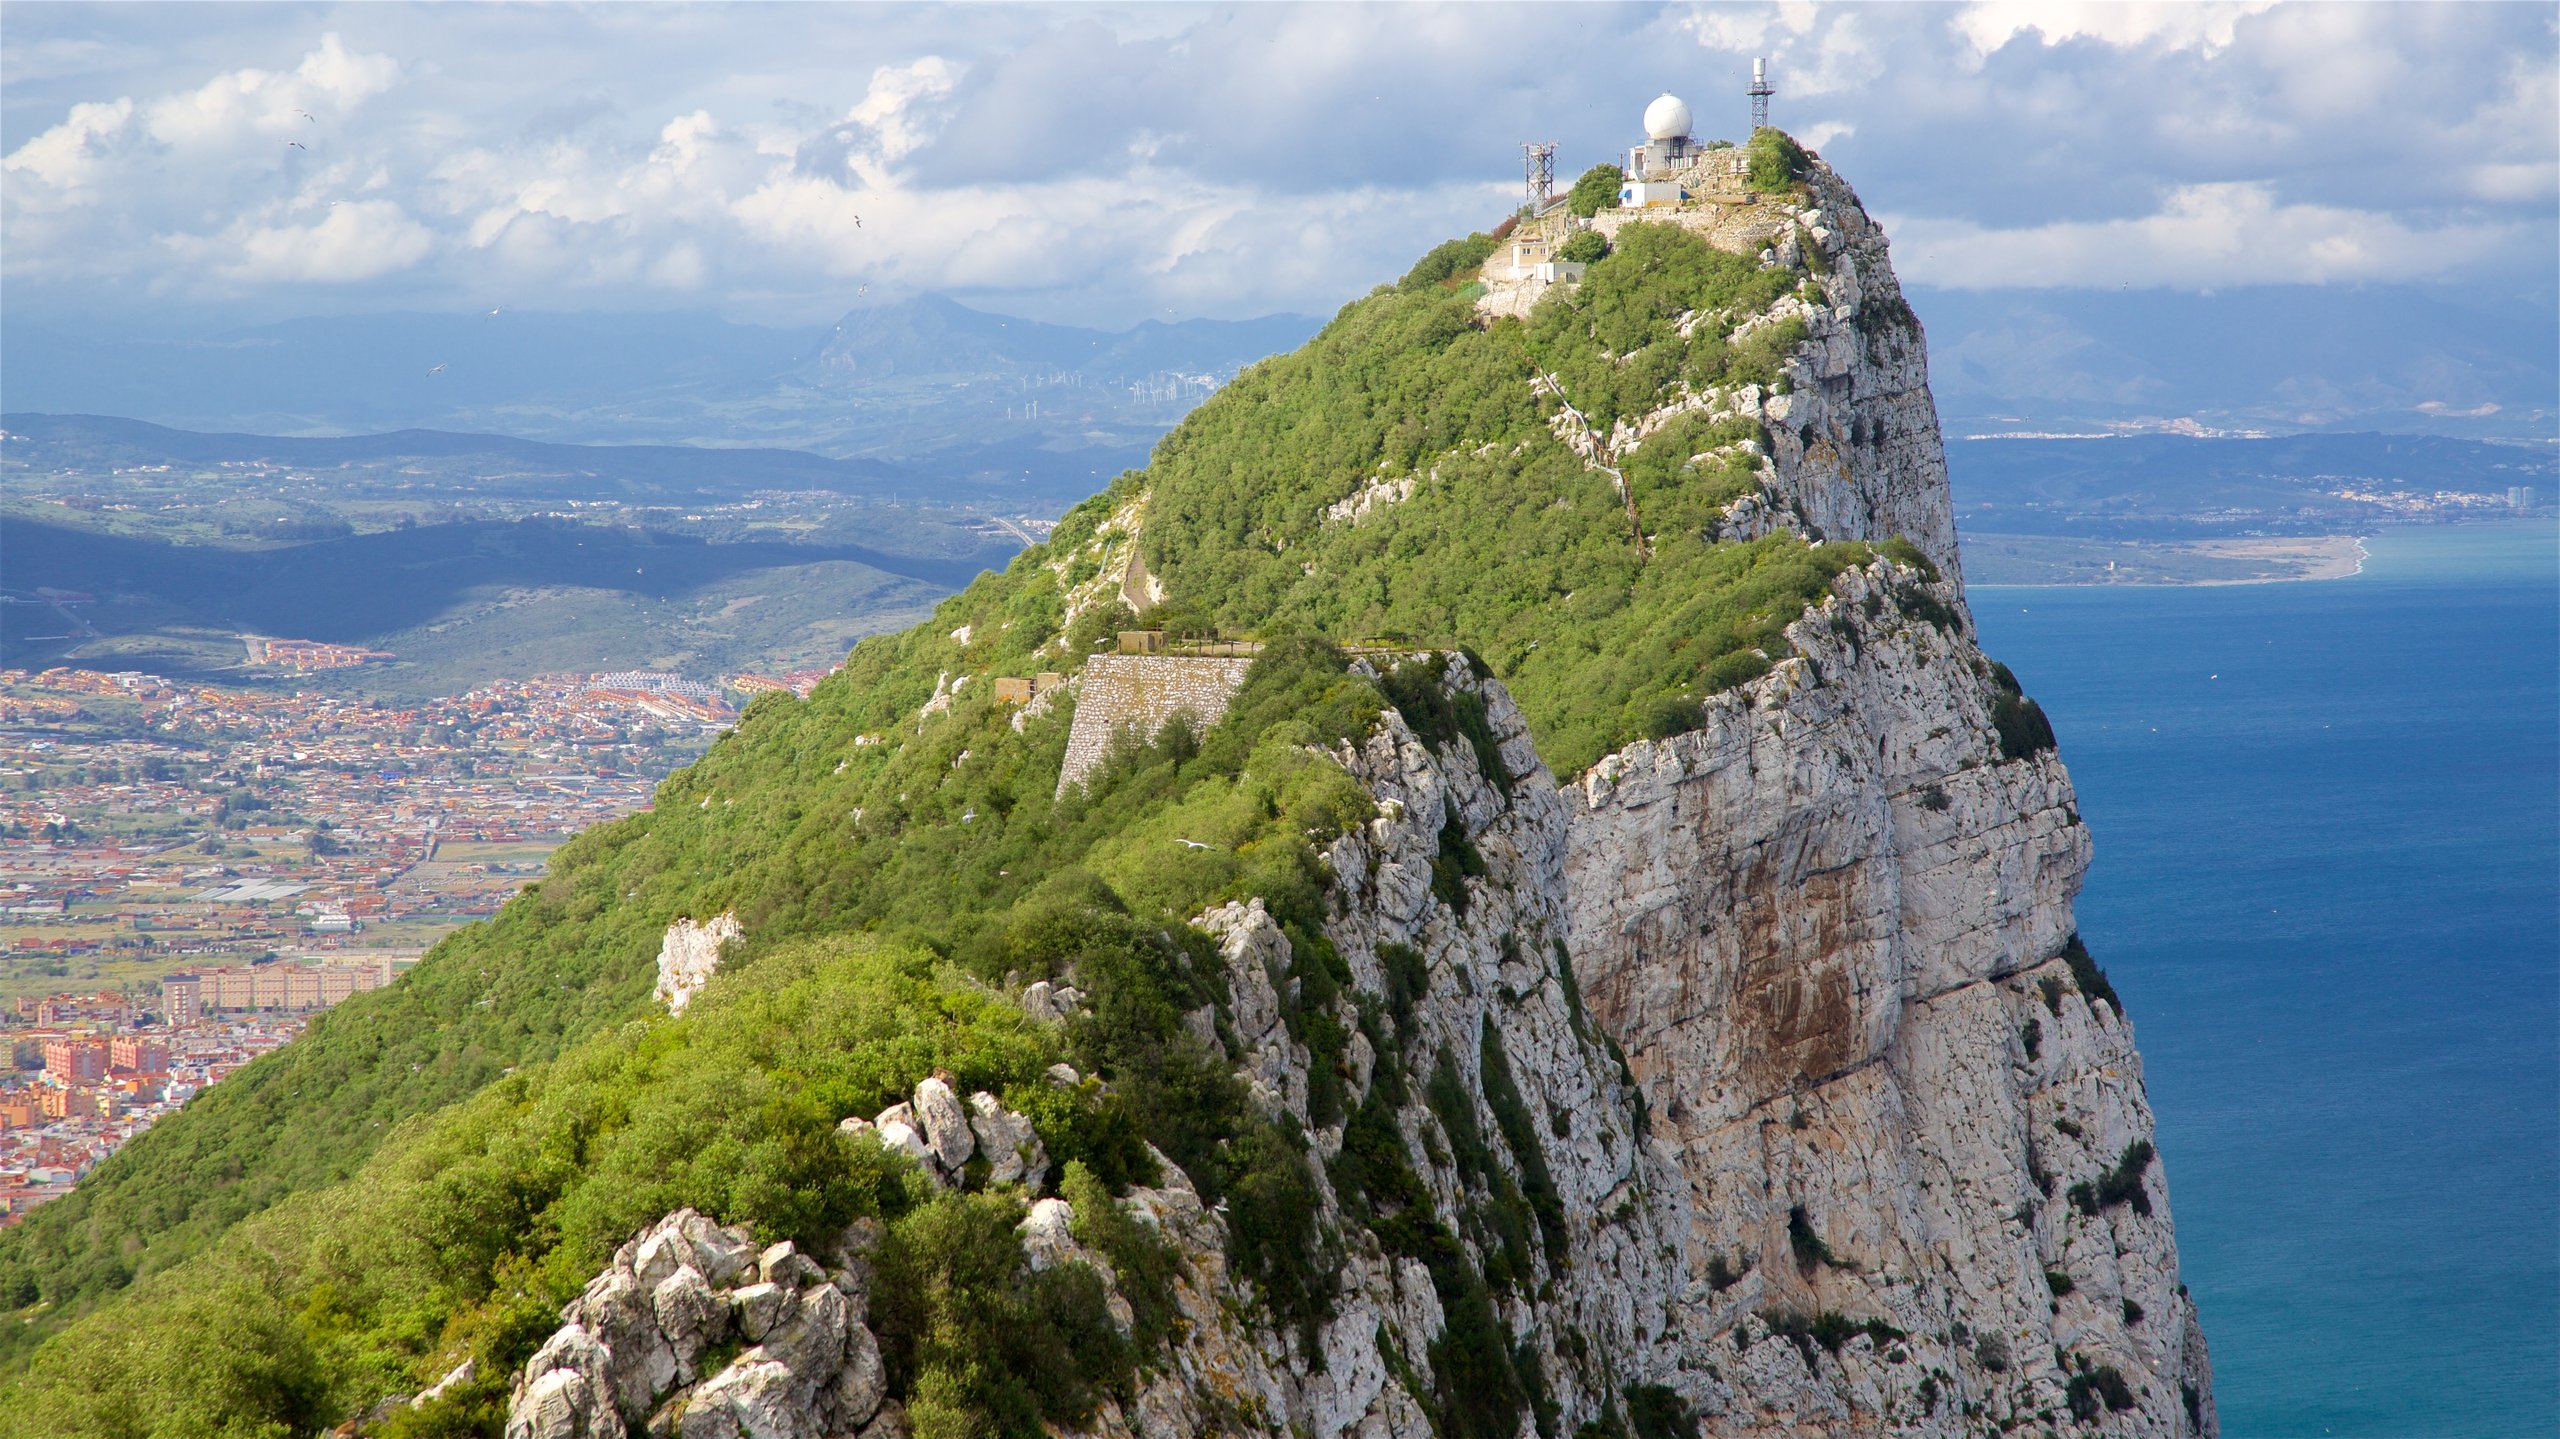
2319	557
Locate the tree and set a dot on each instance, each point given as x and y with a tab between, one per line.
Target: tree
1585	247
1596	191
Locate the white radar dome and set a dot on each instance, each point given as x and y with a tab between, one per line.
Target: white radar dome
1667	118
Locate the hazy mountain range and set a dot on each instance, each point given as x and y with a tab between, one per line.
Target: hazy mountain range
928	379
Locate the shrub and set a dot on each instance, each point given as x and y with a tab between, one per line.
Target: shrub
2057	1281
1902	551
1656	1411
2031	1034
1992	1353
2132	1312
2024	730
1447	261
1721	1273
1808	1246
1584	247
1595	191
2091	1388
1776	163
2086	974
2121	1184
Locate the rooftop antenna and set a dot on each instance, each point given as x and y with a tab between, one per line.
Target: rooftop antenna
1540	162
1760	92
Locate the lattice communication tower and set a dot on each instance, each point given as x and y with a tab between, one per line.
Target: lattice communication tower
1540	162
1760	92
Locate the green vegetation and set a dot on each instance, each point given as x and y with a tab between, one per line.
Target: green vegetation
2092	981
1829	1328
1776	164
2059	1282
1595	191
1509	544
1448	263
1809	1249
1583	247
2024	731
2121	1184
2092	1388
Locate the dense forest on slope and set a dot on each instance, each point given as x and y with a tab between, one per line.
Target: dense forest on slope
435	1166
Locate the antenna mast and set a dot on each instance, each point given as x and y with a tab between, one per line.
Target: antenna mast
1539	160
1760	92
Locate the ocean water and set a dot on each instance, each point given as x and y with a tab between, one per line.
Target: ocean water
2327	818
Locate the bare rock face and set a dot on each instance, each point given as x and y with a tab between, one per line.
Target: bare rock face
689	956
627	1358
1829	930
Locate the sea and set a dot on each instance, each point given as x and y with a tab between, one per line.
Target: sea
2327	884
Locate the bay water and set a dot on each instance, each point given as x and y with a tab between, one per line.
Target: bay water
2327	819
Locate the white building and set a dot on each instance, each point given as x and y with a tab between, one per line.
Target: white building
1653	168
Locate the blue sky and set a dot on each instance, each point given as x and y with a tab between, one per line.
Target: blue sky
1103	164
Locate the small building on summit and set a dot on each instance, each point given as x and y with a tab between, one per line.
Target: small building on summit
1654	168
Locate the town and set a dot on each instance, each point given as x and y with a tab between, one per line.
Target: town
188	873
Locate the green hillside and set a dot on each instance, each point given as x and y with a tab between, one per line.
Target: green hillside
434	1167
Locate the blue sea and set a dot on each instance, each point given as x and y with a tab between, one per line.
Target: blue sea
2327	817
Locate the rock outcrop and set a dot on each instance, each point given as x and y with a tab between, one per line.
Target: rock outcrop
689	956
695	1332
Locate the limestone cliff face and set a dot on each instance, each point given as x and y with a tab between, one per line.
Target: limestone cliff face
1829	929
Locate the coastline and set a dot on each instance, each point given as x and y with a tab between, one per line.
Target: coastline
2266	561
2329	557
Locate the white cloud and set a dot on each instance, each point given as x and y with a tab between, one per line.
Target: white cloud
2125	24
328	84
1093	163
66	156
2203	237
358	240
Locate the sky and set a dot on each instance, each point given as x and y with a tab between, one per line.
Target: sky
1106	164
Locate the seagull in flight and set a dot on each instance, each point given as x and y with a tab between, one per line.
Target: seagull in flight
298	145
493	314
1193	843
307	115
438	370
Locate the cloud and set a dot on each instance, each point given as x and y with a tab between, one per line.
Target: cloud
2201	237
1094	164
2124	24
359	240
65	157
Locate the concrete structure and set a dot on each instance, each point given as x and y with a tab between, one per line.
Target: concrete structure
75	1061
181	999
1138	695
277	987
138	1054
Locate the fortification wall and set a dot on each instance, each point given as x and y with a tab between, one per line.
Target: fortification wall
1142	693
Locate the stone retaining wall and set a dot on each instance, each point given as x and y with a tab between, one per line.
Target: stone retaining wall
1142	692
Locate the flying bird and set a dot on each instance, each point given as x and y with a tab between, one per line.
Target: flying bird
298	145
438	370
307	115
1193	843
493	313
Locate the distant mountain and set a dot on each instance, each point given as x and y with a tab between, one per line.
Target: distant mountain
938	336
2278	358
900	380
